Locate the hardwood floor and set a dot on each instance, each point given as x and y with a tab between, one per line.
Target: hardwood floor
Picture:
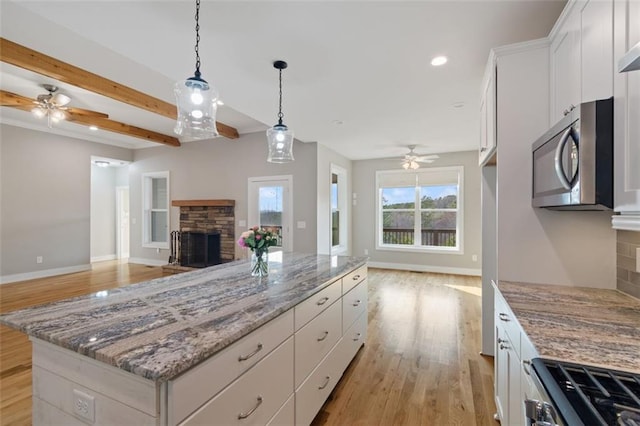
420	366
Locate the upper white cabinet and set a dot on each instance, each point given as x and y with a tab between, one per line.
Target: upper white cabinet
581	56
626	118
488	114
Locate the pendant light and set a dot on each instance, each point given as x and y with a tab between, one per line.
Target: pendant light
196	101
280	137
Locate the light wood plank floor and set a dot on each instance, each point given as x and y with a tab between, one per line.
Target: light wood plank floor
421	363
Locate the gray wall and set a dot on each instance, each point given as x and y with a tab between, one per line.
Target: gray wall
326	157
219	169
45	191
363	217
103	212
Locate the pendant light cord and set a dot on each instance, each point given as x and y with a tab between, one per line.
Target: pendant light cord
280	114
197	73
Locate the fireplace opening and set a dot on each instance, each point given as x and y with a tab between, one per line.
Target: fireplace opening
200	249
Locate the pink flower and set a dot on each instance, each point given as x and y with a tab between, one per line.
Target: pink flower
246	234
255	228
258	237
241	242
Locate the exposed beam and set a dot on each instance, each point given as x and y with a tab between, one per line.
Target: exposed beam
23	57
92	118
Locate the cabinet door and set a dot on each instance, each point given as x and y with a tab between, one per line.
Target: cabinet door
516	399
501	370
626	112
565	67
488	120
596	43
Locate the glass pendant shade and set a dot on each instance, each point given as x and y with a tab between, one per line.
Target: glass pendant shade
197	106
280	141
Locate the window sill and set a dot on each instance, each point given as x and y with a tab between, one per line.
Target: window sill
414	249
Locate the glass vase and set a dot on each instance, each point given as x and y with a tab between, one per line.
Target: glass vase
259	263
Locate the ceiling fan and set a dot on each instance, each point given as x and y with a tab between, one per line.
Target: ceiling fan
412	161
54	106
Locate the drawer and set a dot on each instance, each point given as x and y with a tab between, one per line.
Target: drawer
352	279
352	341
527	353
255	397
354	304
316	388
199	384
505	318
316	339
310	308
286	415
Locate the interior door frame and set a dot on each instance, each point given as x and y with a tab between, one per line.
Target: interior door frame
287	205
120	190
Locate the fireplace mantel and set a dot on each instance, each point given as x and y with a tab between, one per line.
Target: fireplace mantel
203	203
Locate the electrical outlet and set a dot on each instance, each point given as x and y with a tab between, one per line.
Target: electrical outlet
242	223
302	224
366	252
39	259
83	405
474	257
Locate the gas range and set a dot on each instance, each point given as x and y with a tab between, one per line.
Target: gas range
577	395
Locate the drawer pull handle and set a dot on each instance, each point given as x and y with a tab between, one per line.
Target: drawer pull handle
326	382
322	301
357	302
357	337
502	340
503	346
320	339
250	412
526	366
356	277
504	317
246	357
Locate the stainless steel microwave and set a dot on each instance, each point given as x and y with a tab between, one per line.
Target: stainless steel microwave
573	161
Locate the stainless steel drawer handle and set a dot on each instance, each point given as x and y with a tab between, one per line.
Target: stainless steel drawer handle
356	277
320	339
250	412
322	301
357	302
526	366
326	382
504	317
357	337
246	357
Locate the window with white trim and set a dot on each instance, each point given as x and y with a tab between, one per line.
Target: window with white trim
420	209
339	206
155	215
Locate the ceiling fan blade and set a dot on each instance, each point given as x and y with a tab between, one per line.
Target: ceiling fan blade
87	113
61	99
427	157
11	99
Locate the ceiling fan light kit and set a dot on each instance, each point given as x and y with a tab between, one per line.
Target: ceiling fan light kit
411	160
280	137
196	101
51	105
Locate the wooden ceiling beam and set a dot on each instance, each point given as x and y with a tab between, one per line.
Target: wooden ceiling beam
23	57
92	118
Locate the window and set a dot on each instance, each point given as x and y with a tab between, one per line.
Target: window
155	215
420	210
338	210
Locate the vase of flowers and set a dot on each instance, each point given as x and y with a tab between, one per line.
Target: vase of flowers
258	240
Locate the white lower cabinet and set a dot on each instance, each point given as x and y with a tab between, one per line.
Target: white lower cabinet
512	364
286	415
255	397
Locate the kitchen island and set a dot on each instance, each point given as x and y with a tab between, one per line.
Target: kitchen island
209	346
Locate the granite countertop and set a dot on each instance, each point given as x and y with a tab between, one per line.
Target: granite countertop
160	328
584	325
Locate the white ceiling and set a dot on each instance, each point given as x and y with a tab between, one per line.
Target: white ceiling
364	64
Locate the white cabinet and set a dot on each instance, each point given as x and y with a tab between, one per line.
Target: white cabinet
513	354
626	119
488	142
581	55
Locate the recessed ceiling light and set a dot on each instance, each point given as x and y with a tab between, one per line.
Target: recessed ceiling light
220	102
458	105
337	122
439	60
93	128
101	163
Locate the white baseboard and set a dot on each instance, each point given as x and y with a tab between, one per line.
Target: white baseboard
150	262
103	258
427	268
43	274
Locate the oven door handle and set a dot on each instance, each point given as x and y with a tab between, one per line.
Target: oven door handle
539	413
558	159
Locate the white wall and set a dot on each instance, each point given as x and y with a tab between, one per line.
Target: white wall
103	213
364	213
219	169
539	245
326	157
45	183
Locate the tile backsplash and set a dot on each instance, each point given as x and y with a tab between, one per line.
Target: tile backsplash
628	279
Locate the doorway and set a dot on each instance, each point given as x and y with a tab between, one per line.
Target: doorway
122	222
270	207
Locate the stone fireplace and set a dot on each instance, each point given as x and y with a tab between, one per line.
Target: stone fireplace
210	217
